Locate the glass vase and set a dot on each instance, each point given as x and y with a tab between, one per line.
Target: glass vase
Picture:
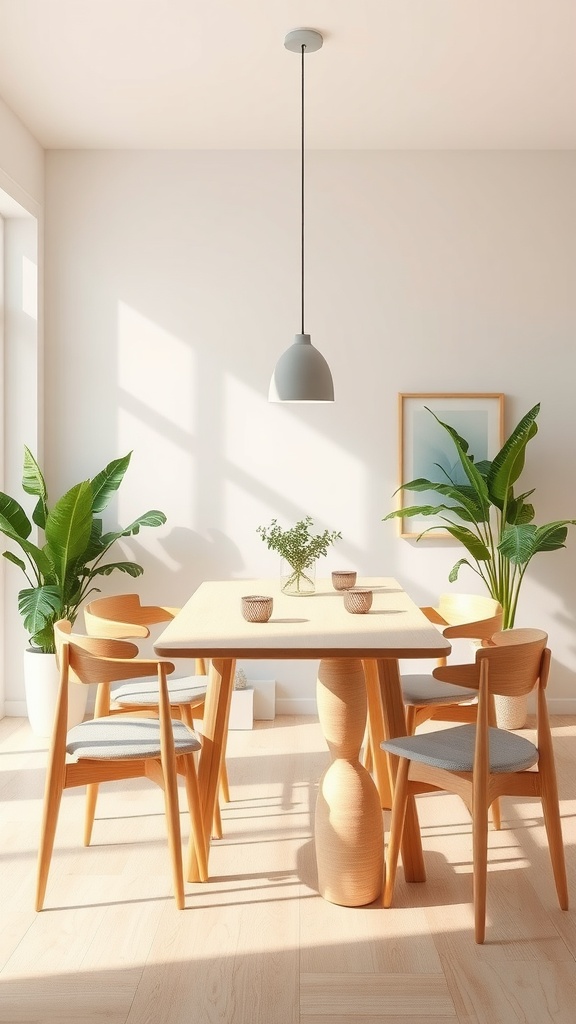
299	582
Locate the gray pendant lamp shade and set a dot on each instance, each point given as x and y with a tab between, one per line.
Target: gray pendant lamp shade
302	374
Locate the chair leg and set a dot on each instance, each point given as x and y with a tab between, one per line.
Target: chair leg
217	822
554	832
368	758
52	799
197	844
411	722
224	786
496	814
396	828
496	807
174	835
90	811
480	865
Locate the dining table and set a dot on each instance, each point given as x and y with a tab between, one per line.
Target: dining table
358	692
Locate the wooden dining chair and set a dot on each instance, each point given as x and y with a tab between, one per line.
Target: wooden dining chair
459	616
481	763
111	748
123	616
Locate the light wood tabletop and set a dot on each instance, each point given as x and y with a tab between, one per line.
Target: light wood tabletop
358	684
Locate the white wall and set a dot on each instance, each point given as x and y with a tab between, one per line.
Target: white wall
173	286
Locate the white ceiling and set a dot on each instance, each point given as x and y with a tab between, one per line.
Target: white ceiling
214	74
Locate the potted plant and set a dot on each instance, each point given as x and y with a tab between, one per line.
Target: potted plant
494	524
299	551
61	571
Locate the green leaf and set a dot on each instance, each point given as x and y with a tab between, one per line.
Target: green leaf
509	463
415	485
453	575
414	510
130	568
477	481
35	554
517	543
461	494
32	479
471	542
33	483
520	543
10	557
96	545
519	512
69	526
13	520
43	639
108	481
151	518
38	605
552	536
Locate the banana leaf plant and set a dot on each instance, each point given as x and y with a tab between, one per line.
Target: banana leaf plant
494	524
60	571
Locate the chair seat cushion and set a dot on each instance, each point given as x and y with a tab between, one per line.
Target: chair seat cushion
144	692
453	749
118	738
424	689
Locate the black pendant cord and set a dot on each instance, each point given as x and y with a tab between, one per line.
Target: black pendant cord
302	193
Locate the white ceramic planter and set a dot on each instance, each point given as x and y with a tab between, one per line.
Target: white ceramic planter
511	712
41	681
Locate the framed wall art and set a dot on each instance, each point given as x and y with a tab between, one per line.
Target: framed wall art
426	449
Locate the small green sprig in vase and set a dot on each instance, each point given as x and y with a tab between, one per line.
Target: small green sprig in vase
300	549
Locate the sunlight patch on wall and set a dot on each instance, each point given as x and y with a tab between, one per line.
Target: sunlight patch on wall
157	415
156	368
284	467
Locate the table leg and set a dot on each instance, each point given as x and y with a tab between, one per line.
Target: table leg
375	731
214	730
394	724
348	826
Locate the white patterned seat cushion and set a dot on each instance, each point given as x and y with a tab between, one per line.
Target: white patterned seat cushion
424	689
118	738
453	749
144	692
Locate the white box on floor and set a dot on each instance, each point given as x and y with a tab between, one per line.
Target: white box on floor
264	699
241	709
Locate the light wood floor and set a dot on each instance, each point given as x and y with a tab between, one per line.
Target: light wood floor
256	944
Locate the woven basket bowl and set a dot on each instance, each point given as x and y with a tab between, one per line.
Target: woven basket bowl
358	600
256	608
343	579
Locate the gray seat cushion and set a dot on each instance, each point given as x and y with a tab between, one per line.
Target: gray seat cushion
453	749
118	738
424	689
144	692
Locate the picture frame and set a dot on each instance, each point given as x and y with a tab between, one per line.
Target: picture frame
424	444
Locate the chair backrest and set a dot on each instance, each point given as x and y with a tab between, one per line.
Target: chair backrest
123	616
87	659
470	615
516	660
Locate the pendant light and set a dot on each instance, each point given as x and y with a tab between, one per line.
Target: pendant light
302	374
